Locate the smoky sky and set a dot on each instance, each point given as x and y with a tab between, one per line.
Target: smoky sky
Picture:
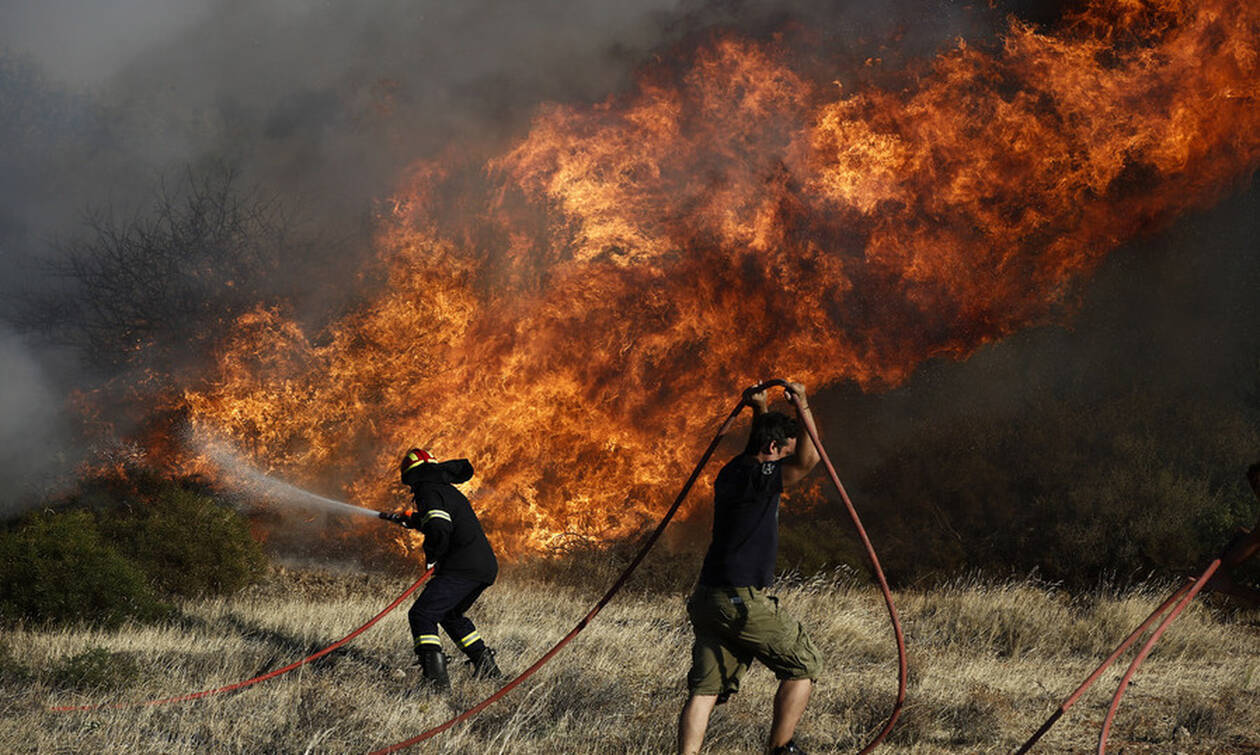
323	104
86	42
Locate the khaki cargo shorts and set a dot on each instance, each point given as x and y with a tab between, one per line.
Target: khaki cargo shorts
735	625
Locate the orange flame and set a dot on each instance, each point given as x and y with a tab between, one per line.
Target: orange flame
574	313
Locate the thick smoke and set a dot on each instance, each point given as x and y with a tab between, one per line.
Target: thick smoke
323	103
1171	318
320	103
86	42
34	453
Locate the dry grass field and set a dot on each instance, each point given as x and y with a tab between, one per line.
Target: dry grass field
988	663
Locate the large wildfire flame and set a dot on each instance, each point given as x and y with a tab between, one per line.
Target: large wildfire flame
573	314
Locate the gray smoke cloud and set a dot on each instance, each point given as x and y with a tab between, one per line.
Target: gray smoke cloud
35	452
84	42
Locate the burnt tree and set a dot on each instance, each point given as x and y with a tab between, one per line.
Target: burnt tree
155	290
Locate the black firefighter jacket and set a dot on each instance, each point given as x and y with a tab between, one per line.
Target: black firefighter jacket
453	537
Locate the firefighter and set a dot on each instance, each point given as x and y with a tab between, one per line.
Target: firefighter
466	566
734	618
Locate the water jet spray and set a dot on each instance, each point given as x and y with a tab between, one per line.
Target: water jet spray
245	477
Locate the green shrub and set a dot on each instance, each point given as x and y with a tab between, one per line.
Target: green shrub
112	551
1105	490
187	544
95	669
55	568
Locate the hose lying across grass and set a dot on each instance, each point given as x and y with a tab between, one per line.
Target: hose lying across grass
1071	699
647	545
1167	612
262	677
1148	646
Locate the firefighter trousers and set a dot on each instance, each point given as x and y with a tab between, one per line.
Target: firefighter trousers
443	602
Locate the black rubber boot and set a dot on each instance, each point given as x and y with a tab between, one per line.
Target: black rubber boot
788	749
433	666
483	665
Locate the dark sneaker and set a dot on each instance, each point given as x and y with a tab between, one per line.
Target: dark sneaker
788	749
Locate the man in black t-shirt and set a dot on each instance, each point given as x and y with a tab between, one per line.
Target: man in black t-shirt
734	618
466	566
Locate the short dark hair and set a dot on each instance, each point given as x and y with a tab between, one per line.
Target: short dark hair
770	427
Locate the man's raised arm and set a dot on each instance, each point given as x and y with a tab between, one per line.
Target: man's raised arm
806	456
757	400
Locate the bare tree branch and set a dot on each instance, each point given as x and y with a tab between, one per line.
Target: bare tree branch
146	290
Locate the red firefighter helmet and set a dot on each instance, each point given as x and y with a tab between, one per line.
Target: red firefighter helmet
414	458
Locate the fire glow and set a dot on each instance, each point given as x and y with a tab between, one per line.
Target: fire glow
573	313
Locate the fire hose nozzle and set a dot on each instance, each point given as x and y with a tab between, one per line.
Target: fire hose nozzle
395	518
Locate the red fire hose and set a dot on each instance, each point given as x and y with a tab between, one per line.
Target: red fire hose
1146	649
262	677
1071	699
879	575
643	550
1178	602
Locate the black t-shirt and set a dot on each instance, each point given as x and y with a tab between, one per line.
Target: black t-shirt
745	524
